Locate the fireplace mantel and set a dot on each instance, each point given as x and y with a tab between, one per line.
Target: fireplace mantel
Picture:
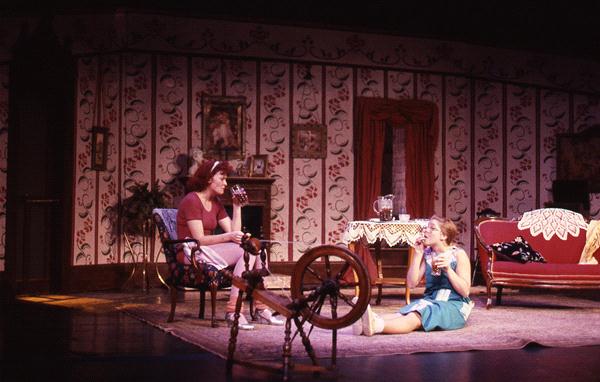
259	195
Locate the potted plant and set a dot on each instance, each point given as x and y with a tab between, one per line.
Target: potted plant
135	212
136	209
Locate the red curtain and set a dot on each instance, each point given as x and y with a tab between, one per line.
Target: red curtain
420	119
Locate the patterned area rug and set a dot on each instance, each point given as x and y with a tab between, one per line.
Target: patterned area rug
553	320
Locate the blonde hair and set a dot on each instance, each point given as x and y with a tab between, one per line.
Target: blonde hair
447	227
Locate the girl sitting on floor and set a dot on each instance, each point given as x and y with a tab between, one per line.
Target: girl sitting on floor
445	304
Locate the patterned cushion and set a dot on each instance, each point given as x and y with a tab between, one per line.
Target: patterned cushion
183	275
517	250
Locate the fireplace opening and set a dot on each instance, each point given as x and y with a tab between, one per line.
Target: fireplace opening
251	220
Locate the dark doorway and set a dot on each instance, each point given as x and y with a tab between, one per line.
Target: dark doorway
40	149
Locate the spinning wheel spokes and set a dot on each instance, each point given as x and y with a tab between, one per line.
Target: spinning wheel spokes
347	300
316	279
328	266
312	271
342	271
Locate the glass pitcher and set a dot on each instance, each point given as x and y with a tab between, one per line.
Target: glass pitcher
384	206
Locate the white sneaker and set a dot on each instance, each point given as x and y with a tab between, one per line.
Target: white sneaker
242	322
371	322
357	328
265	316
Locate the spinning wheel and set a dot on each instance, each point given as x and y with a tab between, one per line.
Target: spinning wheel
319	278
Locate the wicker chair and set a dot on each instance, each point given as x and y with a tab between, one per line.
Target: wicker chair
186	277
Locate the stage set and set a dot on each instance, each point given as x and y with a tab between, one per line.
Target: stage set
344	139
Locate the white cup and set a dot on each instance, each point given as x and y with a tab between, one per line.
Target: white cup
403	218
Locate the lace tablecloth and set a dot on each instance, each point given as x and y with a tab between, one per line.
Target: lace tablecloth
392	232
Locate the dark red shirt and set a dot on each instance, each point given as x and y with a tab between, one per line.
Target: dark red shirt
191	208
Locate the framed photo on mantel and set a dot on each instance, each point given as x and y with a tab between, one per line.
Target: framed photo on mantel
258	166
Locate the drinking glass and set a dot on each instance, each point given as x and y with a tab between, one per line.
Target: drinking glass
435	270
239	194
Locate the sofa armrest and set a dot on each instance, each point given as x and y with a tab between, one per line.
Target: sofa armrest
484	250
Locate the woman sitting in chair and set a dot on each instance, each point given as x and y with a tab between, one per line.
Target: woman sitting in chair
197	217
445	304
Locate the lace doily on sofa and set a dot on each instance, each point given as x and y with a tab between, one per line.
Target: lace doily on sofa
552	221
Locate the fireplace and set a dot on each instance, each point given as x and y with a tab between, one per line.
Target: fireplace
256	216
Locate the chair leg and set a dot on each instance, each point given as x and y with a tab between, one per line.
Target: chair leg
499	295
202	304
253	311
213	304
488	303
379	290
173	293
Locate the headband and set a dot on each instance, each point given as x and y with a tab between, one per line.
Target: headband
214	166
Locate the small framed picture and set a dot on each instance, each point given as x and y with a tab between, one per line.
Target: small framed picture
99	148
309	140
258	165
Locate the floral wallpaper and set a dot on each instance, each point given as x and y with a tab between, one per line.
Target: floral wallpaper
274	124
190	35
108	246
496	142
458	169
85	198
143	76
521	173
339	169
488	145
307	174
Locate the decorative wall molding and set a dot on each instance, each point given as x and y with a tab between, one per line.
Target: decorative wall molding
188	35
128	30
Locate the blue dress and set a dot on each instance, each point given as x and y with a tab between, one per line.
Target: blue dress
441	306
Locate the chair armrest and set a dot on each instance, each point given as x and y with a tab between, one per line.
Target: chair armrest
180	241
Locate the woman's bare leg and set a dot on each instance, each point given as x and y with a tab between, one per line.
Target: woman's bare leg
233	254
401	324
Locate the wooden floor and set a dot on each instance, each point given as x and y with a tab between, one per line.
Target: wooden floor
41	342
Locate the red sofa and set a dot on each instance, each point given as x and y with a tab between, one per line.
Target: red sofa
561	271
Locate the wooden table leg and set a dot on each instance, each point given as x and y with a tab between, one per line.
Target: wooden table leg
352	248
379	271
411	252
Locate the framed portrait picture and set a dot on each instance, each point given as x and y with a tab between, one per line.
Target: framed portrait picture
99	148
309	141
258	165
223	126
578	157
